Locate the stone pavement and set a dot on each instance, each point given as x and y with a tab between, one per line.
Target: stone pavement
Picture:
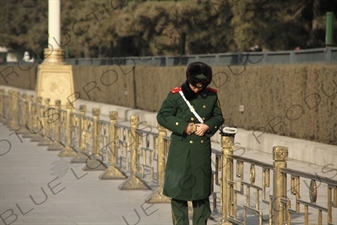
37	187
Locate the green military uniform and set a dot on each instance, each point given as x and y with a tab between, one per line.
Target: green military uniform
188	169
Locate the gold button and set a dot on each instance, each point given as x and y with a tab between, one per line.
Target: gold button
191	142
192	106
204	106
203	118
216	127
177	123
192	118
202	141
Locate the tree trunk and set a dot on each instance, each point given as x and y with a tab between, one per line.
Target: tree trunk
314	33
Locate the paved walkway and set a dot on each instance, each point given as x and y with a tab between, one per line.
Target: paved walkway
37	187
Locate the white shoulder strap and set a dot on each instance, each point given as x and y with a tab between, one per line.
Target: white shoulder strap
191	108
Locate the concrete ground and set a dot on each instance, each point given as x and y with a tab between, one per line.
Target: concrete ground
38	187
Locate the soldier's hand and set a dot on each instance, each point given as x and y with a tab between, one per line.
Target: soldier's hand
189	129
202	129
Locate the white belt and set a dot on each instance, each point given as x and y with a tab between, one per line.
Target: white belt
191	107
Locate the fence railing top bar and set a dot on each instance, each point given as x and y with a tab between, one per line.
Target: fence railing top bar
276	53
315	177
184	56
220	54
167	138
123	126
315	49
142	131
156	56
285	55
313	205
309	52
216	151
103	122
88	117
76	114
252	185
252	161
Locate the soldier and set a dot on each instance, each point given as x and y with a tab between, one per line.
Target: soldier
192	112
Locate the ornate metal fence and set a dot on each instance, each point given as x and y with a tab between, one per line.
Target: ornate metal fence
271	194
327	54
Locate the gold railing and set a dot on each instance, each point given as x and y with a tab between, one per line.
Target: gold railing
318	187
244	190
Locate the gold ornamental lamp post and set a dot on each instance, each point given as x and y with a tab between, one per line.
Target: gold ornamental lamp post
54	77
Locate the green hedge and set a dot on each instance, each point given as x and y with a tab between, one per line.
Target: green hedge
291	100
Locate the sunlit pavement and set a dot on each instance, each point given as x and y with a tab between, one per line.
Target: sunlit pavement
38	187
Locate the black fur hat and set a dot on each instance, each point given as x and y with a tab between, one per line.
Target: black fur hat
199	74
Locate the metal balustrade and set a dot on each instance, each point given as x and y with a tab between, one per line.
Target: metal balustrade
37	124
147	150
124	141
318	186
74	131
103	140
315	55
273	193
253	188
2	106
46	124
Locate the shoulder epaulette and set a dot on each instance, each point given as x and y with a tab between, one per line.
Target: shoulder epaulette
212	89
175	90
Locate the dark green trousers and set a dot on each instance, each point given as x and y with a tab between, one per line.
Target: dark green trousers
201	212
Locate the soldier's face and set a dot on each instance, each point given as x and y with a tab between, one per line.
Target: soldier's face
195	89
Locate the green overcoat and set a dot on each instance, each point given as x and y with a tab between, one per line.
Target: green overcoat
188	169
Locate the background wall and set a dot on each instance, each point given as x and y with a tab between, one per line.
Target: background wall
291	100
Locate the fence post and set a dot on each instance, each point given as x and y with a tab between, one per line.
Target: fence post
56	124
2	104
81	156
33	125
30	115
92	161
68	151
280	157
226	190
23	110
9	109
46	140
157	196
14	125
113	172
39	118
134	182
25	115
